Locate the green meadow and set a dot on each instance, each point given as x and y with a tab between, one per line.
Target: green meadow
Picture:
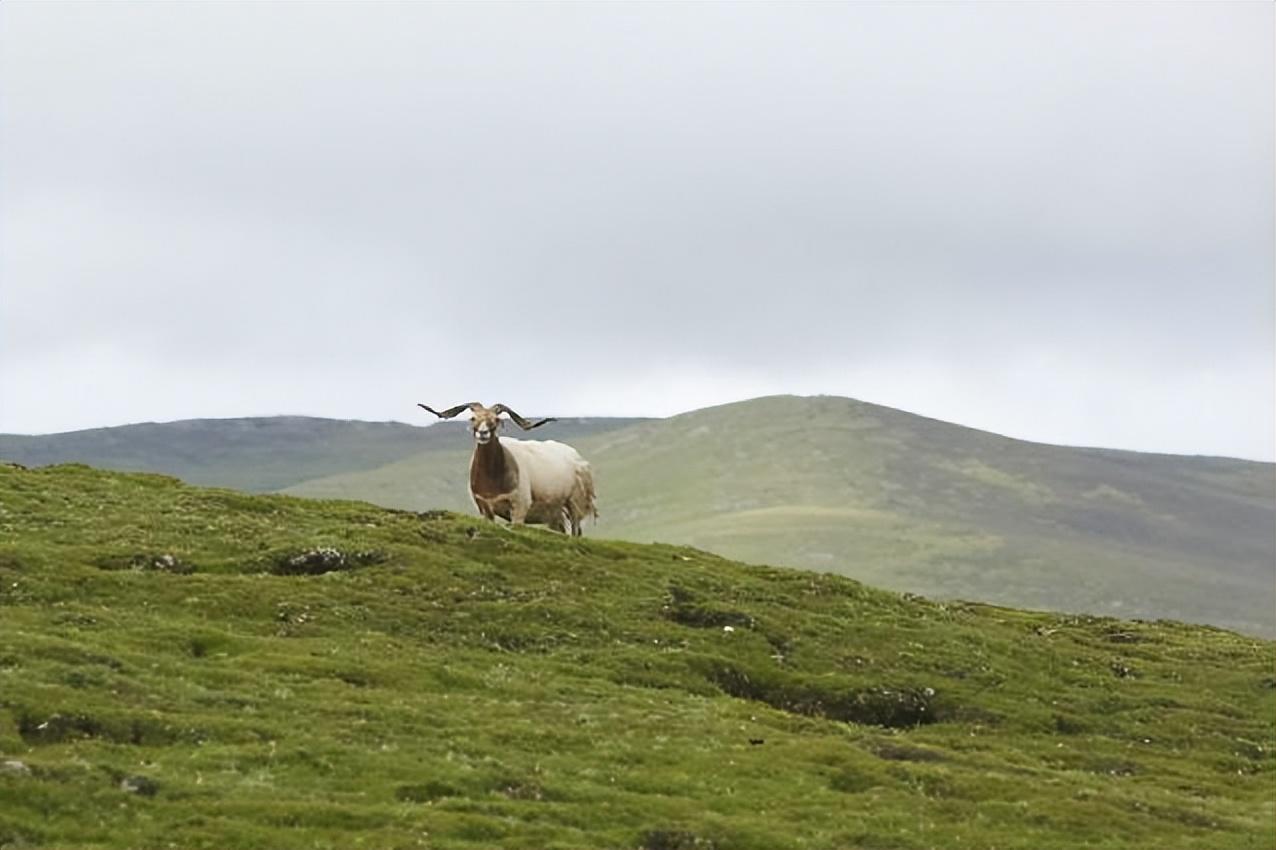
828	484
185	667
913	504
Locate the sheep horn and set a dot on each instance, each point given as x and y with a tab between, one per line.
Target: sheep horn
522	423
451	411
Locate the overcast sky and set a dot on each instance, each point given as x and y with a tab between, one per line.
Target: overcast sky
1052	221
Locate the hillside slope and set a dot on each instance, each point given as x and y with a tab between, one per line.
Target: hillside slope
204	668
915	504
436	475
254	454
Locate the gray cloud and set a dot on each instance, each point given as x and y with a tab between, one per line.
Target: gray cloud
1049	220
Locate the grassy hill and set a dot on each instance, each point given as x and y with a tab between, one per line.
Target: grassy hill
436	474
254	454
910	503
204	668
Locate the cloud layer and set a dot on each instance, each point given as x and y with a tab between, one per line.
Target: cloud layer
1048	220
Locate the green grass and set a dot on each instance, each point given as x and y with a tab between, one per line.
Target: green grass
204	668
917	505
828	484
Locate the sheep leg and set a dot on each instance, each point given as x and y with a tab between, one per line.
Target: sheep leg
556	522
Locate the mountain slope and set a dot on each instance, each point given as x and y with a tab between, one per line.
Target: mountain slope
204	668
915	504
437	474
254	454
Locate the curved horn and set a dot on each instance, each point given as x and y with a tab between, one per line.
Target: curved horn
522	423
451	411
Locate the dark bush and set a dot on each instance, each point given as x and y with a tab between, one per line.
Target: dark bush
674	839
850	781
434	514
891	707
120	729
425	792
896	751
1068	724
57	727
681	606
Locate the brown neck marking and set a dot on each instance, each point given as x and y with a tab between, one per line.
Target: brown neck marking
491	471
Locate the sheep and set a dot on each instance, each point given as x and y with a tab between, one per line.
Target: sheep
525	481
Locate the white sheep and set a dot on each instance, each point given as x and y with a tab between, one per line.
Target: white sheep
525	481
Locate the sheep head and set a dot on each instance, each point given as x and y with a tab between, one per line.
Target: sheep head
486	421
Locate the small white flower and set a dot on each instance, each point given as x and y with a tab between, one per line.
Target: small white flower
728	628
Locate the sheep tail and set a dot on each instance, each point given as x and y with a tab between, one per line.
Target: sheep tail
585	487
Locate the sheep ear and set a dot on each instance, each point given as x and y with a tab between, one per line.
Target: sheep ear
451	411
522	423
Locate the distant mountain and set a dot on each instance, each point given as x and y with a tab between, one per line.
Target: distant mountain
255	454
910	503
